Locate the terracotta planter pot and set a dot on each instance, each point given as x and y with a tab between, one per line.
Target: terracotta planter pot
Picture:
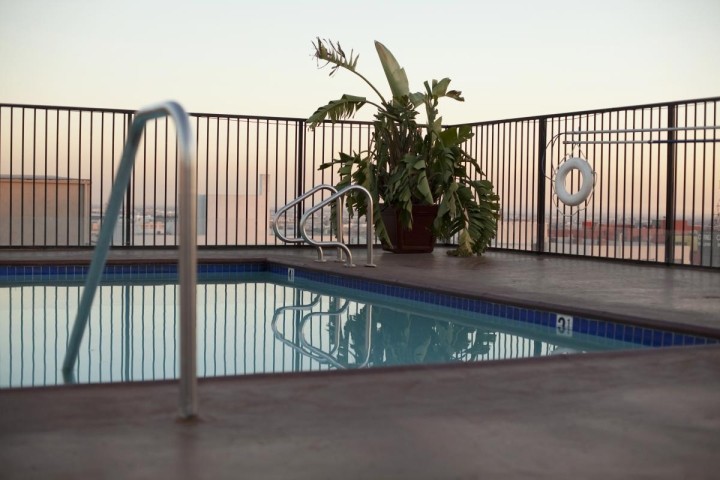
417	240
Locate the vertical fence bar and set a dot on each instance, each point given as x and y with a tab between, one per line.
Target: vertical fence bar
714	215
670	188
10	179
300	172
34	172
79	176
22	178
128	194
541	179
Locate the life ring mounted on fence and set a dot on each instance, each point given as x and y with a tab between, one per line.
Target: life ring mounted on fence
586	187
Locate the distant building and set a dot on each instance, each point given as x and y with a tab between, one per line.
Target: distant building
235	219
44	211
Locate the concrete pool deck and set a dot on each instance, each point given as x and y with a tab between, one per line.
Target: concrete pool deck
649	414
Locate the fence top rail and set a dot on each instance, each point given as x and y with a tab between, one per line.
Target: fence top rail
361	122
191	114
593	112
67	108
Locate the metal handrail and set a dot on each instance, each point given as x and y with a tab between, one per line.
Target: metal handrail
303	307
368	216
187	261
308	349
299	199
292	308
327	356
578	133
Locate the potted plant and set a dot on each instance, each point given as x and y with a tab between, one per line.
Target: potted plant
411	166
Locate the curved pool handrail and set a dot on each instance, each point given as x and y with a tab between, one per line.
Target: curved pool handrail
292	308
187	261
303	307
340	244
296	201
304	343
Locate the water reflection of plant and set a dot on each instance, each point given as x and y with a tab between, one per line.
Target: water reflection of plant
400	338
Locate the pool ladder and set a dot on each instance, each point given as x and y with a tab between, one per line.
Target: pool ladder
305	347
187	261
339	244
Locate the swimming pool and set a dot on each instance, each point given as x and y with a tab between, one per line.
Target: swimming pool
268	318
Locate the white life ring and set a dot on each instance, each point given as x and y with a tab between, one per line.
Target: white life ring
588	180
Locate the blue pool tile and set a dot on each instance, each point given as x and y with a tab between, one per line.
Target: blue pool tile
592	327
580	325
610	330
604	329
628	333
619	332
633	334
473	305
642	335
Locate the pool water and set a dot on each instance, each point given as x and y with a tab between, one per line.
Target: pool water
253	323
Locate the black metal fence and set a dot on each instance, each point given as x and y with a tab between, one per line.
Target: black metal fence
656	196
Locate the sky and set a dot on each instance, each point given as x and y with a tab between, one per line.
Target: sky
511	58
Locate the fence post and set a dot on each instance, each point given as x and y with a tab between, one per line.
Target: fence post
300	174
128	198
542	162
670	188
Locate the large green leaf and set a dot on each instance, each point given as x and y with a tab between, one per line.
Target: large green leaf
456	95
465	133
449	136
440	88
417	98
344	107
395	74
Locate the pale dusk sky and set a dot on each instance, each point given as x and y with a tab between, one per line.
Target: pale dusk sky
509	58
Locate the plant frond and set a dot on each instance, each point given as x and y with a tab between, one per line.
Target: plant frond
345	107
332	54
396	76
455	95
